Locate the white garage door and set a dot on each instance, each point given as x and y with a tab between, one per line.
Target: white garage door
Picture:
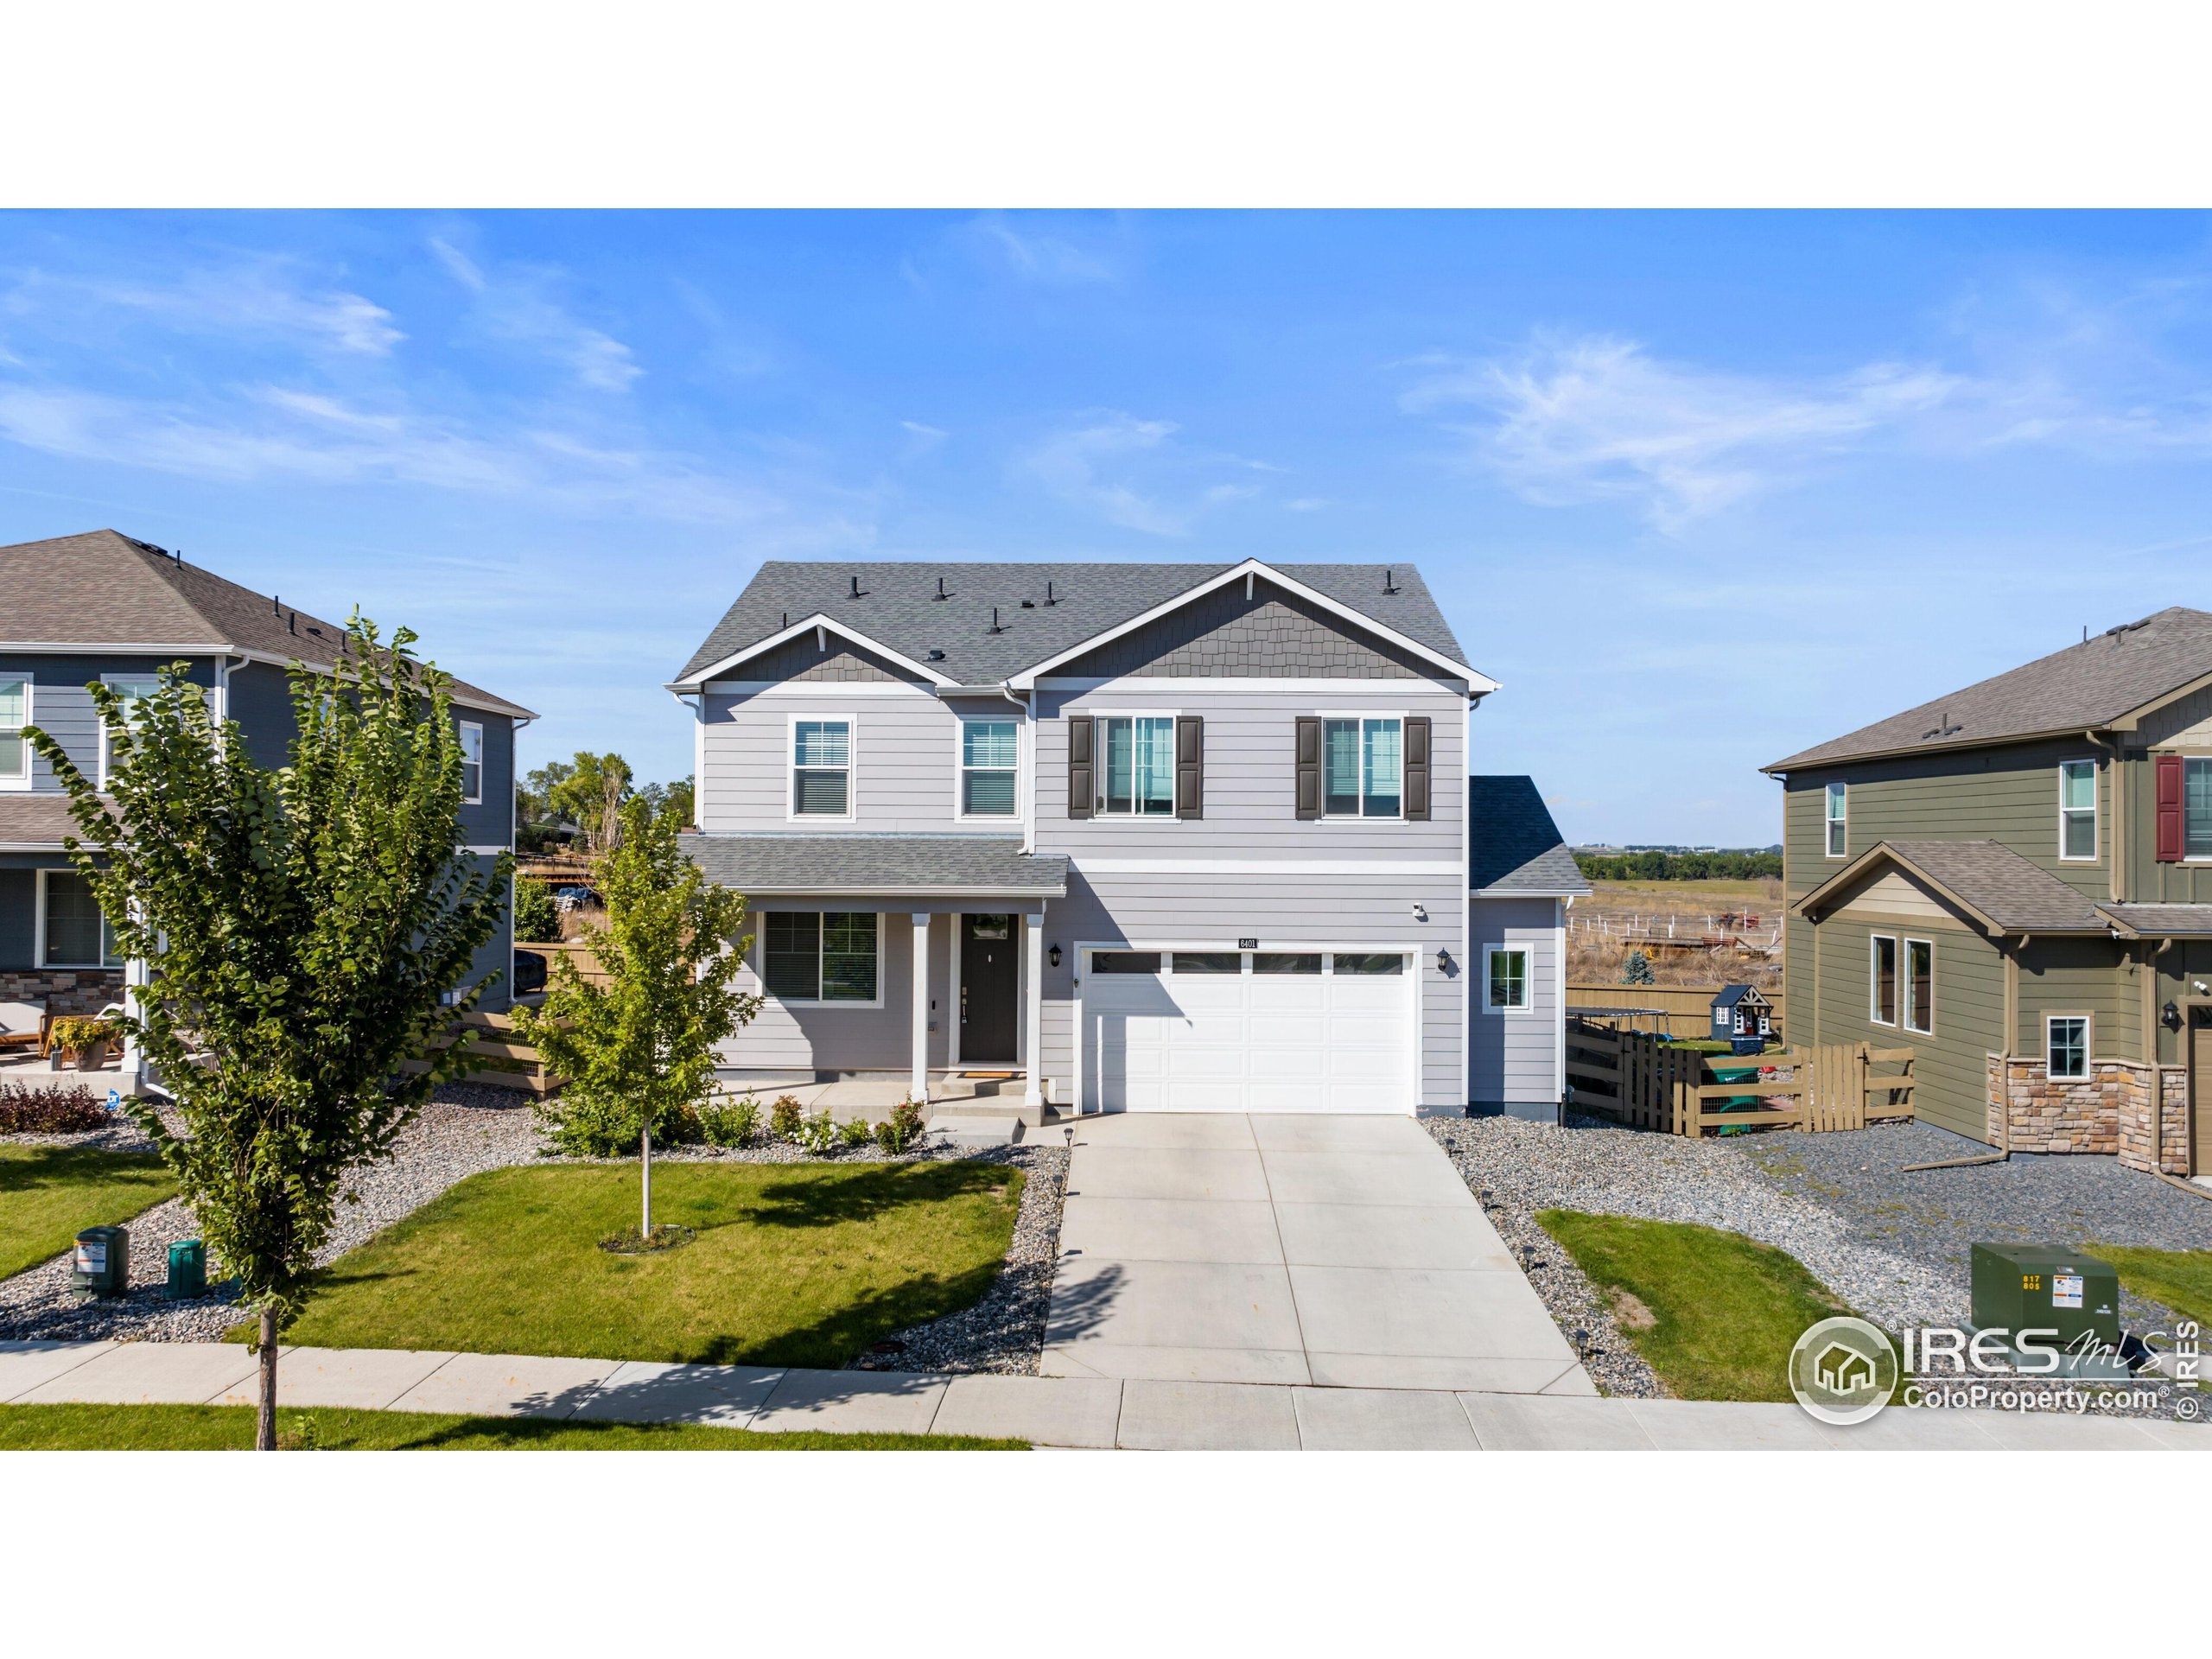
1247	1031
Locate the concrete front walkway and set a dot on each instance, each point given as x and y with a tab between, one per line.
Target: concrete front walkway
1344	1252
1138	1415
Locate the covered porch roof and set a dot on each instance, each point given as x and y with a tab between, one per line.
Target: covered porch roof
856	865
2001	891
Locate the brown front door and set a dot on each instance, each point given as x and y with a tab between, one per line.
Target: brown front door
987	945
2200	1091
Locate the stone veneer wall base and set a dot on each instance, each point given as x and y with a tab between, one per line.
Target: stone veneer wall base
2110	1112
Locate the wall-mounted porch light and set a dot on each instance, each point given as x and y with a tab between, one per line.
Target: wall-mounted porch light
2172	1017
1443	962
1054	956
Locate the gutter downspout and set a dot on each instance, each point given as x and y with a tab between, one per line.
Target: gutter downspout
2115	842
1027	701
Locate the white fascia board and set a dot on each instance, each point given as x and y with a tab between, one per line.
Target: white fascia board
1478	684
806	625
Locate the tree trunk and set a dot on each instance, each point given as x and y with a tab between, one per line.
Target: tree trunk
646	1163
264	1424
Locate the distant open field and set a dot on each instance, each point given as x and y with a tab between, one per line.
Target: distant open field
1665	919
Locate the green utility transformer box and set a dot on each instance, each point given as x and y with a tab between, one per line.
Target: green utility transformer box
101	1263
2042	1287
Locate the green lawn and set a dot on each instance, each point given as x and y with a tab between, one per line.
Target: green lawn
49	1194
2180	1279
1724	1311
794	1264
230	1428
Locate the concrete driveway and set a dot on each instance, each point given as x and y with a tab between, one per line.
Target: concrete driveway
1339	1251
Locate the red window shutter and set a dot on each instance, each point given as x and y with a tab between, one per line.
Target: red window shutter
2170	843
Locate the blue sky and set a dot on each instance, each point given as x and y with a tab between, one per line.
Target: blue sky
1699	489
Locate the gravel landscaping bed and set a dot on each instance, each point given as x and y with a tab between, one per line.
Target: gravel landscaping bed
1892	1245
470	1128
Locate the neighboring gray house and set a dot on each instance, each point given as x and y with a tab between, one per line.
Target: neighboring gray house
1521	881
1178	837
104	607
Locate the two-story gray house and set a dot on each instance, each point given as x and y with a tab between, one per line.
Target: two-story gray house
2016	881
104	607
1171	837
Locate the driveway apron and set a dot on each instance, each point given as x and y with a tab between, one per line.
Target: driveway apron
1303	1250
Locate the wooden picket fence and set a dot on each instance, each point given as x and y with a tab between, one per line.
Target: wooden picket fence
1634	1078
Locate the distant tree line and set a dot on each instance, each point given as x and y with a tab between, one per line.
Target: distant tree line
1678	866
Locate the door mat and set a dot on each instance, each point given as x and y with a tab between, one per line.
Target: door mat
991	1076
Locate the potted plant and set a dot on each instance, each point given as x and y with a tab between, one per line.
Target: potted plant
82	1042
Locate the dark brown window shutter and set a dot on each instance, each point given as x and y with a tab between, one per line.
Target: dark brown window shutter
1079	766
2170	842
1190	766
1418	771
1308	754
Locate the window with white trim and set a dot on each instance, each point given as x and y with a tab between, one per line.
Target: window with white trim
131	691
1882	969
2077	809
2197	807
2066	1044
1919	985
15	714
71	930
1508	979
989	760
822	768
827	956
471	763
1363	771
1837	807
1139	764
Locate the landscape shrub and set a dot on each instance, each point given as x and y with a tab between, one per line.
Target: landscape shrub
537	919
817	1132
49	1109
857	1132
784	1119
730	1125
595	1129
901	1129
1637	970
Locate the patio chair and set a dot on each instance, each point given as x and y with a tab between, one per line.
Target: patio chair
23	1029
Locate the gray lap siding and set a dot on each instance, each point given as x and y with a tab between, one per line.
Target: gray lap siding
1513	1056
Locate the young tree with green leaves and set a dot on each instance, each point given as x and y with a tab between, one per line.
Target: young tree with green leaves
591	795
636	1054
303	928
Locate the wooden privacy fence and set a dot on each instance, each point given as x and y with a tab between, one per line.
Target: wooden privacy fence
587	963
1634	1077
1685	1010
504	1060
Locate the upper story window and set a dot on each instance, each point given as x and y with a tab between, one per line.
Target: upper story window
822	768
131	691
1362	767
2077	809
989	761
2197	804
15	714
471	763
1836	820
1139	764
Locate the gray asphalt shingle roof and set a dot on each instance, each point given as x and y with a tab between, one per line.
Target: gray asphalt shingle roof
1514	846
864	864
898	608
2089	685
2018	896
106	589
2161	920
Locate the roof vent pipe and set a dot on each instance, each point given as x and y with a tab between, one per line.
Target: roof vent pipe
995	628
1390	581
1049	599
856	588
940	593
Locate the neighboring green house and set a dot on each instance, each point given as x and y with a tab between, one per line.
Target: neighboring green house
2016	879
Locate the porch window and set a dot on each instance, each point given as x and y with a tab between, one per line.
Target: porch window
2066	1044
471	763
2077	809
130	689
76	935
822	768
1837	826
988	762
1508	979
1920	985
15	714
1883	1009
2197	802
819	956
1362	768
1139	764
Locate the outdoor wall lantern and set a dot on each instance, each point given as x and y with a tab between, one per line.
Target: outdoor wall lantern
1054	953
2172	1017
1443	962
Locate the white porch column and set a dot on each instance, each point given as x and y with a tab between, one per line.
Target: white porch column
1033	1034
134	1062
919	1086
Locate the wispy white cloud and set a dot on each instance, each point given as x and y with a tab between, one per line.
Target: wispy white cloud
519	306
1598	418
1307	503
249	298
1070	464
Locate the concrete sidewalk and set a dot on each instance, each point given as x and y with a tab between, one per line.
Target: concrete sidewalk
1085	1412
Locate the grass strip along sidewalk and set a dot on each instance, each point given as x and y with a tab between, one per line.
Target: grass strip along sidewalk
230	1428
1714	1313
49	1194
792	1264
